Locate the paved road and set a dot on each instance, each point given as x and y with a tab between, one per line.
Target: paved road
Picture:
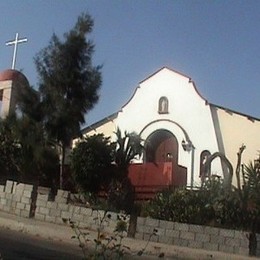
17	245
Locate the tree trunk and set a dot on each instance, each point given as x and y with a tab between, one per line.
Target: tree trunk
62	160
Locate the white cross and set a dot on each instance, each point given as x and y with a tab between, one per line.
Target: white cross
15	43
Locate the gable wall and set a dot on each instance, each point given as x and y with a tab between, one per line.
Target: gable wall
236	130
187	112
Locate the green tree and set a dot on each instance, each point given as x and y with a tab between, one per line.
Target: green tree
10	150
91	163
121	192
68	84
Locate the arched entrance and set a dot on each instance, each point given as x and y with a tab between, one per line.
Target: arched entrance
161	146
160	168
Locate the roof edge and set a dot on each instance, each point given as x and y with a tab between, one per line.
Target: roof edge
235	112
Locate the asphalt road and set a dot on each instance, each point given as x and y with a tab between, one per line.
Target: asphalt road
17	245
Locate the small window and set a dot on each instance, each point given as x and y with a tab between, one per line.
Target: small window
163	105
203	158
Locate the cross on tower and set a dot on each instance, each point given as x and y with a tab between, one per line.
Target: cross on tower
15	43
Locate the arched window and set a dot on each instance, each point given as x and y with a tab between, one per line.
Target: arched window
203	158
163	105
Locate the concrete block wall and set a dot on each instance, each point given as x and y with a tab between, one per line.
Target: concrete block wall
195	236
59	211
16	198
22	199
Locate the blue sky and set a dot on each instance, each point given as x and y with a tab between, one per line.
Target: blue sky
216	43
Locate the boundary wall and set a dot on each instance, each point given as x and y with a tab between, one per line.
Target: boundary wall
26	201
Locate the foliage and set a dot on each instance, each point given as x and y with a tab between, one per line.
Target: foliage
181	205
68	83
91	163
128	147
10	150
104	246
121	191
25	154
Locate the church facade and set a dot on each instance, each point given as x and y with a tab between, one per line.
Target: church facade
179	129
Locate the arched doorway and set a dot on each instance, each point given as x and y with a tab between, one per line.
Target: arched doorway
161	146
160	168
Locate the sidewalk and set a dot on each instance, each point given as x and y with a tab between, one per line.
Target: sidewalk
63	234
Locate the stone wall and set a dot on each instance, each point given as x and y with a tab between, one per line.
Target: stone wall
60	211
17	198
23	200
195	236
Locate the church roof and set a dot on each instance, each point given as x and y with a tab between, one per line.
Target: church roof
13	75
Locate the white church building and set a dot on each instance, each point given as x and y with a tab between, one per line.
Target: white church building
179	129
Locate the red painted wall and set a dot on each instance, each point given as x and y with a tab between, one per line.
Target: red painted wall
149	178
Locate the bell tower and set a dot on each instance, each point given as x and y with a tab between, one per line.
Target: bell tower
10	81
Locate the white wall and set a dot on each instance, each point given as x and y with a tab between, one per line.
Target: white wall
188	111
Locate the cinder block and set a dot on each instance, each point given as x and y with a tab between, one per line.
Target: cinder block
41	203
195	244
7	208
61	200
28	207
165	240
216	239
241	234
20	205
28	187
140	221
159	231
27	193
17	197
65	214
197	228
2	194
212	230
55	212
9	186
245	242
180	242
17	212
77	217
2	187
44	197
63	206
199	237
211	246
52	205
147	229
25	213
43	210
187	235
152	222
19	187
181	226
232	242
172	233
9	196
227	249
63	193
166	224
227	233
86	211
26	200
3	201
39	216
50	219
